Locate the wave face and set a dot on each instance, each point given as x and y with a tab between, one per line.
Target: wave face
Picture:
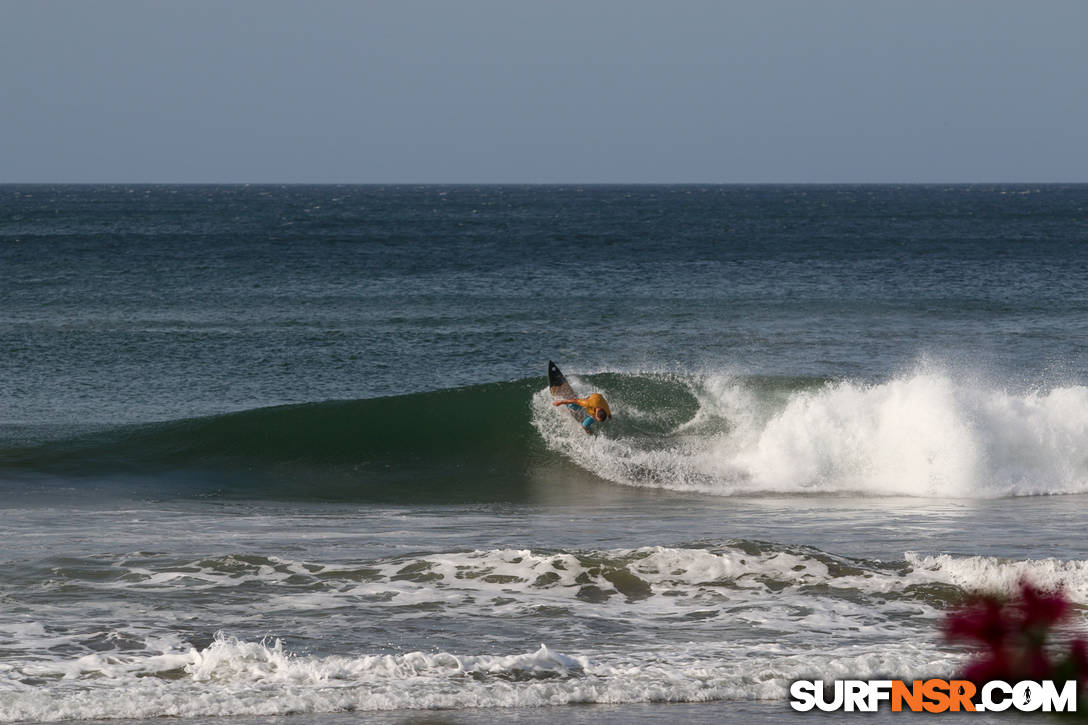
926	433
461	444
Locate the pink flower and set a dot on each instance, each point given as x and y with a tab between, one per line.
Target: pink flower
983	621
1040	610
1078	660
1011	636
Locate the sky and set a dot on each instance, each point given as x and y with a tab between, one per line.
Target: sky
564	91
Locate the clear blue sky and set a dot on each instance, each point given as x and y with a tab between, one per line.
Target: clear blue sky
557	91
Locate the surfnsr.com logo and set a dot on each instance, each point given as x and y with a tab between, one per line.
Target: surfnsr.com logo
933	695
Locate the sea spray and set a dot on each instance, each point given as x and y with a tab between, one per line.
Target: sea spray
925	433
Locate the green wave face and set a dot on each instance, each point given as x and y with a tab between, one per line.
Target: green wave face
478	443
463	444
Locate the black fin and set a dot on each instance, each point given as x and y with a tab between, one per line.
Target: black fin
555	377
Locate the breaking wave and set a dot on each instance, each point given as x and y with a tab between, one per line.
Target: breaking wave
922	434
926	433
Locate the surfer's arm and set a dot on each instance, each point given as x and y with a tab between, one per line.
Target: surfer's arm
568	401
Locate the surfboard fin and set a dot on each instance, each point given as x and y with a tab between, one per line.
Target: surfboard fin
555	377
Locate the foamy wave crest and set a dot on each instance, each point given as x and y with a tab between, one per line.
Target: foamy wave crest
990	575
924	434
230	659
647	582
234	677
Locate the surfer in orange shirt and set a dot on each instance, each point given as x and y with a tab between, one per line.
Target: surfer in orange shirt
595	407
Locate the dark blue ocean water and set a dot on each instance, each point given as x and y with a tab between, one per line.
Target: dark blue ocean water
156	302
288	449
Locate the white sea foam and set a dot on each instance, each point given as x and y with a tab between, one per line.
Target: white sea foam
739	620
987	574
543	577
647	582
927	433
234	677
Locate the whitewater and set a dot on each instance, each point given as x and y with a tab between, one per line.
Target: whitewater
677	617
930	432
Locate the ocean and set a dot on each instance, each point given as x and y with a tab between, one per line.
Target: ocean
271	451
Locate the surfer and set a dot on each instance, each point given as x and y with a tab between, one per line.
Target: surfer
595	407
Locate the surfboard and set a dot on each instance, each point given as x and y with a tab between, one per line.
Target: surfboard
561	390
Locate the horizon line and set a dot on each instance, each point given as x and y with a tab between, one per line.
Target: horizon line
544	183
